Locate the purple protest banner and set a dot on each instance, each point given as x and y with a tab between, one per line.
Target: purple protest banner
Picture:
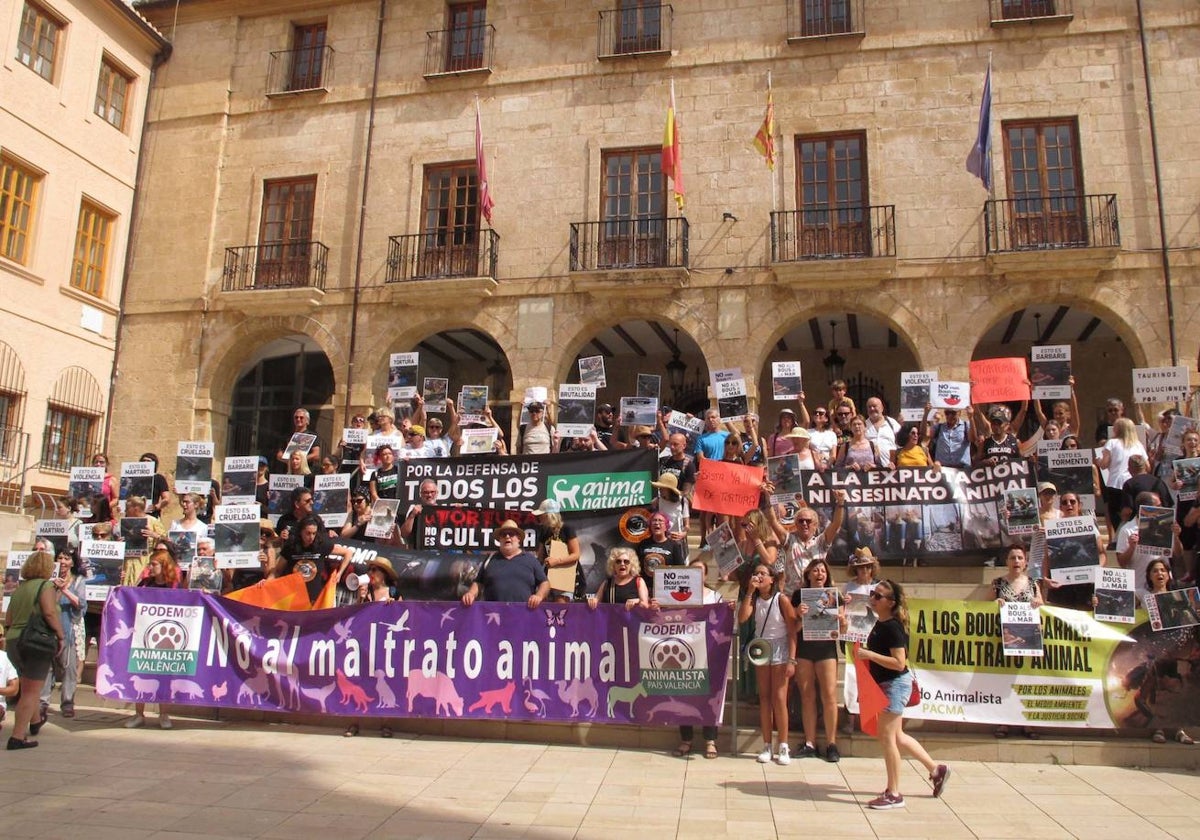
559	662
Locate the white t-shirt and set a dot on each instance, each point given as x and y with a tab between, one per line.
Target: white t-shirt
1141	557
824	441
7	673
1118	464
884	436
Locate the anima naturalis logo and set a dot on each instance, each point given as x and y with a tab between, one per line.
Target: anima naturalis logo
166	639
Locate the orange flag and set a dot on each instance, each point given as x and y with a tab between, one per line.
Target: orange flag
281	593
672	152
871	700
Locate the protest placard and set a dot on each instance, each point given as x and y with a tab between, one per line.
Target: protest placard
1187	473
679	586
783	471
786	383
12	574
331	498
576	409
435	390
471	402
478	441
639	411
1020	629
1173	443
131	532
1175	608
945	393
724	547
137	479
915	393
1115	597
726	488
1050	371
591	371
279	494
1160	384
402	376
1155	530
105	557
383	518
239	480
53	531
203	575
1021	511
1071	549
819	622
301	441
84	484
649	385
235	533
185	546
193	467
998	380
354	441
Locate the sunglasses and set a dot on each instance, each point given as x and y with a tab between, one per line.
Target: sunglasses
879	596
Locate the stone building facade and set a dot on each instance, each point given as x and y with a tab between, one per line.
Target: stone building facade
310	202
74	81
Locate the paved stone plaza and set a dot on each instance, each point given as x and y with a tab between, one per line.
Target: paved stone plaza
97	780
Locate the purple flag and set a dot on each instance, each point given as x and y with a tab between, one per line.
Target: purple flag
979	162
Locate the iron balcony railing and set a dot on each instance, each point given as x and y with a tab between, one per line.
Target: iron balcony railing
285	265
656	242
635	30
1009	11
464	49
824	18
293	71
1038	224
433	256
833	234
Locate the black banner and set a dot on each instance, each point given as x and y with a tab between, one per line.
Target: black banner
578	481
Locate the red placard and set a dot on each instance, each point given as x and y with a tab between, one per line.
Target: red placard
999	380
724	487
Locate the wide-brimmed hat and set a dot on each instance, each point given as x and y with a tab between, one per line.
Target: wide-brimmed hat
668	482
862	557
798	433
265	525
384	565
509	526
547	506
1043	486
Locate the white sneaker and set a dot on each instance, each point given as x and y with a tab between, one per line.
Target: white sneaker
135	722
764	757
785	755
164	722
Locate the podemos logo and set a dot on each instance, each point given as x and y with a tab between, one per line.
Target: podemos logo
166	639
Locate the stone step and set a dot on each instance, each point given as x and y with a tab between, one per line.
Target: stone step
973	743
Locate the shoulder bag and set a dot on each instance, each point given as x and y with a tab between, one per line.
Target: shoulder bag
37	639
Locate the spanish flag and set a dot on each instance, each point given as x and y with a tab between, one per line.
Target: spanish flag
764	139
672	152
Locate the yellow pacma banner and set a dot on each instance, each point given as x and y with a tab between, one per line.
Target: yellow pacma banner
1090	673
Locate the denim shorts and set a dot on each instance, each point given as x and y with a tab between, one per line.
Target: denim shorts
897	691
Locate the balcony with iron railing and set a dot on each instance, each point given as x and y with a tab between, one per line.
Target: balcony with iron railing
635	30
809	19
1029	11
465	49
442	256
1066	234
289	277
843	244
299	71
648	253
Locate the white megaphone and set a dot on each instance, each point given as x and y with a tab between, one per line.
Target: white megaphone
758	651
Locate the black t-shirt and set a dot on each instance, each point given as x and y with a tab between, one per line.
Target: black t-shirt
654	555
1008	449
885	637
684	469
386	482
513	579
309	564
